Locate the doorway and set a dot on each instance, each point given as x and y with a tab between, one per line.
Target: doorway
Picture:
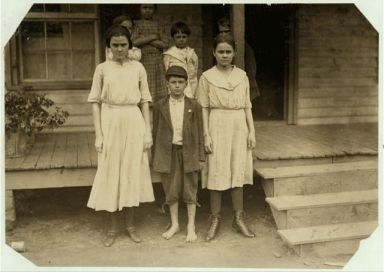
267	31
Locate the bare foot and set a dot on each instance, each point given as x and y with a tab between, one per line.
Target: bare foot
191	234
170	232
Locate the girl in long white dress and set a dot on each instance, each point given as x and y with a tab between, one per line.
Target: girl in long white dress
123	135
229	133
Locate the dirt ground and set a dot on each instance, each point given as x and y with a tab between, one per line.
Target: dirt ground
59	230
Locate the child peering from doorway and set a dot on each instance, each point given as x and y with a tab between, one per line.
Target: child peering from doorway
178	148
183	55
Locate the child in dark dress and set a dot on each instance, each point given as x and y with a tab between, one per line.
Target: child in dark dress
178	148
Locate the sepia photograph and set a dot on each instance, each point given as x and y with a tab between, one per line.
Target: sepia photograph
179	136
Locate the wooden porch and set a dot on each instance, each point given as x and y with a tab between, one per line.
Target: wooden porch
276	144
318	180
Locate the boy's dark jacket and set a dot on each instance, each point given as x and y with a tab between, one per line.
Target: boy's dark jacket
193	140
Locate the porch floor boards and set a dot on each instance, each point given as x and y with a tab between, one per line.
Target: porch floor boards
76	150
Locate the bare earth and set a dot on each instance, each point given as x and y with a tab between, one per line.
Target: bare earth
59	230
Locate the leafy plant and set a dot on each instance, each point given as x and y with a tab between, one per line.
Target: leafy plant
31	112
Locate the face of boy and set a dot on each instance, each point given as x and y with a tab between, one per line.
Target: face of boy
180	39
147	11
119	47
176	86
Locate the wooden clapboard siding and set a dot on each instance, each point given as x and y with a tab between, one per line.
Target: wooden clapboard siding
337	66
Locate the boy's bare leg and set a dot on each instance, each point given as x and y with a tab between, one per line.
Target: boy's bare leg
174	211
191	233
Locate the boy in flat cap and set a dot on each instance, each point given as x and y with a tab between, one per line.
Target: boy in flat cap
178	149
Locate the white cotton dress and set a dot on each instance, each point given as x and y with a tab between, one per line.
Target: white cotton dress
230	164
123	176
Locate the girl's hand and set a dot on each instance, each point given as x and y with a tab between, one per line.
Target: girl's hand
99	144
148	141
251	141
208	144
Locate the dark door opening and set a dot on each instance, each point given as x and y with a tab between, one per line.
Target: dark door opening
267	32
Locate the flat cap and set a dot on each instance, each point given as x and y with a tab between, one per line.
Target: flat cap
176	70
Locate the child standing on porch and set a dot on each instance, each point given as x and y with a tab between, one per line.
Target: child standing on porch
150	37
123	135
183	55
178	148
229	133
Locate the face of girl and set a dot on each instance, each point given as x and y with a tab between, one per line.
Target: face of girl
181	40
128	25
224	54
119	47
147	11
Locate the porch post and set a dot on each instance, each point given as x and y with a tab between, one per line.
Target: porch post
10	212
238	29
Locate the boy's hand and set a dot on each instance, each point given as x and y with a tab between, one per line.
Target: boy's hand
208	144
99	144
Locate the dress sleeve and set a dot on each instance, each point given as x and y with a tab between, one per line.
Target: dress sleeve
167	61
97	86
135	53
247	101
163	35
202	92
135	32
193	64
143	85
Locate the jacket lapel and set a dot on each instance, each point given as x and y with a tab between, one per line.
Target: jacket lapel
164	109
188	112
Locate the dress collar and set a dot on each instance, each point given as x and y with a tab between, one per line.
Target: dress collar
215	77
179	54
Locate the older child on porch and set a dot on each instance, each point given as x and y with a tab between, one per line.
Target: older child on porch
149	36
183	55
123	135
178	148
229	134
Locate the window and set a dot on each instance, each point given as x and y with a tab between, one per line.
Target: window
58	43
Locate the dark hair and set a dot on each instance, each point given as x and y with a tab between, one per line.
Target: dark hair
180	27
224	39
118	30
119	19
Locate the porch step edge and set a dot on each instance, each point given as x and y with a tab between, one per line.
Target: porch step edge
325	233
282	203
317	169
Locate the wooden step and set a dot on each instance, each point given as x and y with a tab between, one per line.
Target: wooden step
316	179
321	209
320	200
311	170
328	239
